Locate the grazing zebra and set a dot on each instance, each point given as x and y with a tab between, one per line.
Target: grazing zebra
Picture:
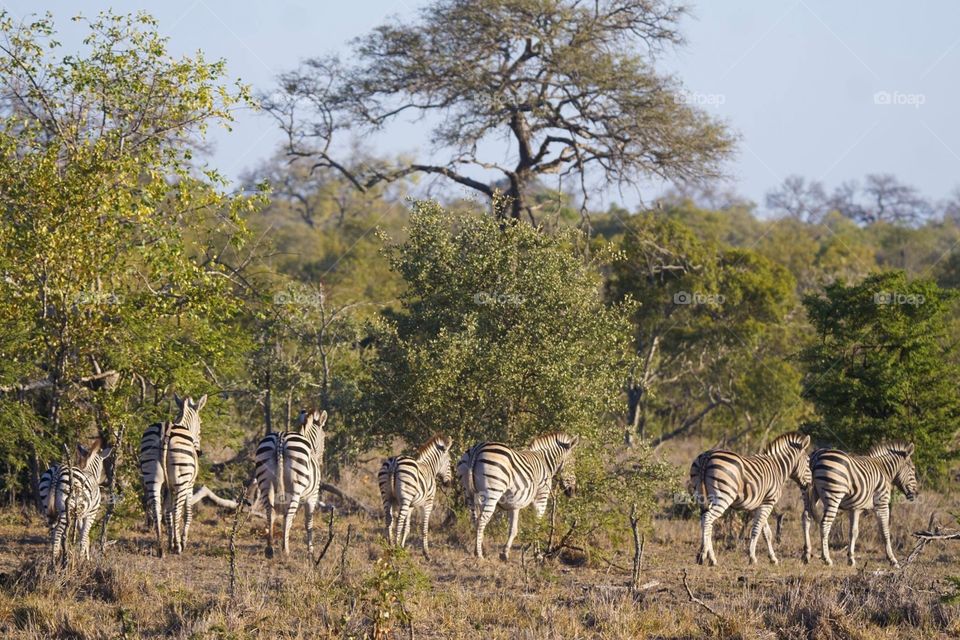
855	484
496	475
724	480
288	472
74	494
169	464
408	483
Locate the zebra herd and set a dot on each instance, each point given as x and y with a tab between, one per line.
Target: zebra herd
721	480
288	465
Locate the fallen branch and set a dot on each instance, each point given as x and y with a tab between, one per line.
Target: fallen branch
564	542
696	600
357	505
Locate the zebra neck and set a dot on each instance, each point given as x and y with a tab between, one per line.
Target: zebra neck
429	460
550	457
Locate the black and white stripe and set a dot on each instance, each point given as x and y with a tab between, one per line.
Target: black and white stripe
288	473
74	496
723	480
45	488
494	475
855	484
409	483
169	463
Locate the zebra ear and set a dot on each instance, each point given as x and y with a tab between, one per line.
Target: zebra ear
177	399
908	450
82	451
105	453
321	420
200	403
805	442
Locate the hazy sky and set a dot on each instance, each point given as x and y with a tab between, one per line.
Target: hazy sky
798	80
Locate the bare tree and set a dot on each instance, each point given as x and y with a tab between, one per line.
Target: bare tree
569	84
892	201
798	199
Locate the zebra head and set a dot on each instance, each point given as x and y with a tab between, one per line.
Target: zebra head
793	448
906	474
189	415
440	446
92	461
312	423
560	446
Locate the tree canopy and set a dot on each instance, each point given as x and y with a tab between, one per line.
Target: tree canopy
571	85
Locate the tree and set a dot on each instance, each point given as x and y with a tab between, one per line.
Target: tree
797	199
570	84
706	324
113	244
880	369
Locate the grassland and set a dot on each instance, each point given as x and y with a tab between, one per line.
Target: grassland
358	590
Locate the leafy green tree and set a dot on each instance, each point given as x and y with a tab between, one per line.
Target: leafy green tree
879	366
708	325
112	241
571	85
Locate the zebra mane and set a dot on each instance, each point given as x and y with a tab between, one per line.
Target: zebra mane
563	440
426	447
899	447
312	429
793	439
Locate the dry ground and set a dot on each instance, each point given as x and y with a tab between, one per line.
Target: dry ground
130	594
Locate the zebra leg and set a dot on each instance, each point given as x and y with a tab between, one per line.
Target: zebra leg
706	530
883	520
806	518
854	532
187	517
57	536
403	524
514	525
271	519
156	508
308	523
768	536
85	527
424	543
488	506
830	508
759	523
288	519
388	518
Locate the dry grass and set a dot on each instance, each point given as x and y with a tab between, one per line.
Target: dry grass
131	594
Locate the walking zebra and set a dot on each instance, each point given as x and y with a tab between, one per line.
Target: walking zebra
408	483
724	480
74	494
288	472
855	484
496	475
169	463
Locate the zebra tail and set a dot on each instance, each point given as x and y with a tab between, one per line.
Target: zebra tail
278	486
810	501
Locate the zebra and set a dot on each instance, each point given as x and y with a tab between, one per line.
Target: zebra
496	475
287	471
724	480
408	483
855	484
45	488
74	493
169	462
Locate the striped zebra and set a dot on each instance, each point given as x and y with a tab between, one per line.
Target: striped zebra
45	487
724	480
409	483
855	484
73	494
169	462
496	475
288	472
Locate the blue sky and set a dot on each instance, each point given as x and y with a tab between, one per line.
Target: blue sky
797	79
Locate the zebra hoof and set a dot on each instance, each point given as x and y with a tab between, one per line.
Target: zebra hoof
806	558
774	561
504	557
753	560
268	552
700	558
852	562
895	564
